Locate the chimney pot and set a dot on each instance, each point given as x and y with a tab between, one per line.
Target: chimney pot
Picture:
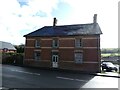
54	21
95	18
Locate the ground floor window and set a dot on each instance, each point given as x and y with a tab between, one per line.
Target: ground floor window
37	55
78	57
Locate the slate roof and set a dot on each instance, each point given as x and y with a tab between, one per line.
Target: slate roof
6	45
67	30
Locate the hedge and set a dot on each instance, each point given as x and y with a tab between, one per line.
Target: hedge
12	58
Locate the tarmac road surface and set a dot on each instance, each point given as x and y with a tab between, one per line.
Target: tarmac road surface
22	77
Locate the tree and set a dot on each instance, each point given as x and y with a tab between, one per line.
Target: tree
20	48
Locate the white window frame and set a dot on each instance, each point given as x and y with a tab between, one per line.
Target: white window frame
78	42
54	43
78	57
36	57
37	43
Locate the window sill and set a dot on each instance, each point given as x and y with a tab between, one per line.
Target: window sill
55	47
38	47
78	62
79	47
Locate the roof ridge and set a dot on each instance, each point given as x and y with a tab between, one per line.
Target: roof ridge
5	42
71	25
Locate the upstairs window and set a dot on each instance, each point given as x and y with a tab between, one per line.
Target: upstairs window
55	43
37	43
78	57
78	42
37	55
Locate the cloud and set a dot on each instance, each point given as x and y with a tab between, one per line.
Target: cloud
19	17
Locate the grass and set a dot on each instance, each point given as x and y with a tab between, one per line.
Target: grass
110	54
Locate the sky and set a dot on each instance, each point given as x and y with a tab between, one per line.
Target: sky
20	17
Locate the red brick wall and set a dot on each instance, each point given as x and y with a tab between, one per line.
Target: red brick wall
29	52
46	43
66	52
46	54
90	55
90	42
30	43
66	43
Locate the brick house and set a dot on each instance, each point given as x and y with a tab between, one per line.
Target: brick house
71	47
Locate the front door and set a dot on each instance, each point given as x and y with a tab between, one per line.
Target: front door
55	61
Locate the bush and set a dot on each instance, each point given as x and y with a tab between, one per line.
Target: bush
12	58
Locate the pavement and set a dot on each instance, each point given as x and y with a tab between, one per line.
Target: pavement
109	74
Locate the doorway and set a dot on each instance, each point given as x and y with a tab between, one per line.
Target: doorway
55	61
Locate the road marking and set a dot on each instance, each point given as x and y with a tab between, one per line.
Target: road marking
65	78
71	79
4	88
81	80
26	72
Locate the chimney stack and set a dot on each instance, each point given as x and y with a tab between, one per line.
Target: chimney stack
95	18
54	21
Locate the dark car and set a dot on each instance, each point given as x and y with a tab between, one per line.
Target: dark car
108	66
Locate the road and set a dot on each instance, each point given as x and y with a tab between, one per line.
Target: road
21	77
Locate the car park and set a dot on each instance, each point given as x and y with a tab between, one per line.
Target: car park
108	66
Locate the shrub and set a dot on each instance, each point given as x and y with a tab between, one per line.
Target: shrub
12	58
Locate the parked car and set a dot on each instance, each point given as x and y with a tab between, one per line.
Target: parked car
108	66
